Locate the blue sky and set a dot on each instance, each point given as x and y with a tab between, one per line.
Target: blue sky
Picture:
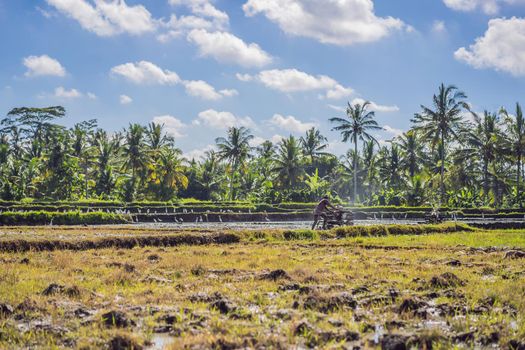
275	66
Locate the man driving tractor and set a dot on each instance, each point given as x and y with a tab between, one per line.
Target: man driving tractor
320	211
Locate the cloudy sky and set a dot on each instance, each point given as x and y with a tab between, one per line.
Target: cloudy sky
278	67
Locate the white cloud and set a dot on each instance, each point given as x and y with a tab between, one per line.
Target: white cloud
338	92
43	65
107	18
395	132
222	120
439	27
46	14
293	80
199	153
276	138
339	22
227	48
257	141
172	125
168	36
145	72
244	77
502	47
376	107
336	108
489	7
189	22
91	96
229	92
290	123
60	92
204	16
125	99
200	88
203	8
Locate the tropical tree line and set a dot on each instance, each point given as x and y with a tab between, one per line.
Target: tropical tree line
451	156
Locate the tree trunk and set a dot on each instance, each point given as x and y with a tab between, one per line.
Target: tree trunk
518	180
355	170
234	166
85	181
485	180
442	176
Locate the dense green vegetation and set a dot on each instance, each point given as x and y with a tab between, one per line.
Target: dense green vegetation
67	218
451	157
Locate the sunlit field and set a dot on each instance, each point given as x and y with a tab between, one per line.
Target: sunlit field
263	289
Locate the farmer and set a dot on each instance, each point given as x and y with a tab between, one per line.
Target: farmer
319	211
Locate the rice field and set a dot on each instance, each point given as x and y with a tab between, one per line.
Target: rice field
260	289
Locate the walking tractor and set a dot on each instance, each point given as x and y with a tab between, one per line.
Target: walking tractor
336	218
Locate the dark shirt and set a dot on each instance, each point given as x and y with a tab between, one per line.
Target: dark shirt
321	207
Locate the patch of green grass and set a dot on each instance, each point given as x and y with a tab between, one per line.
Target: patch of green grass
61	218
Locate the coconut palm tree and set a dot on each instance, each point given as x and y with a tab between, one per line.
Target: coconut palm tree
168	173
313	144
516	138
441	123
82	134
370	167
134	151
389	167
210	173
411	152
356	128
483	144
156	139
288	162
106	150
235	148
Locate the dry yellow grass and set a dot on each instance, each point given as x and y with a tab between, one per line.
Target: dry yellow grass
329	294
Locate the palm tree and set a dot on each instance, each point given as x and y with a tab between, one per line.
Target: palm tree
168	173
389	167
288	161
313	144
483	142
235	148
516	137
345	171
440	124
156	139
209	175
106	153
134	151
356	128
370	167
82	147
411	152
265	153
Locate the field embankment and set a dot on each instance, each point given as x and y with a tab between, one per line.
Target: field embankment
103	212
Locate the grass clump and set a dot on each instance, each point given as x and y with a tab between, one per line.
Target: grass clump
295	235
385	230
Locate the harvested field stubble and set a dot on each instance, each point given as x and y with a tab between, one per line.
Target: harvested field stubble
275	292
